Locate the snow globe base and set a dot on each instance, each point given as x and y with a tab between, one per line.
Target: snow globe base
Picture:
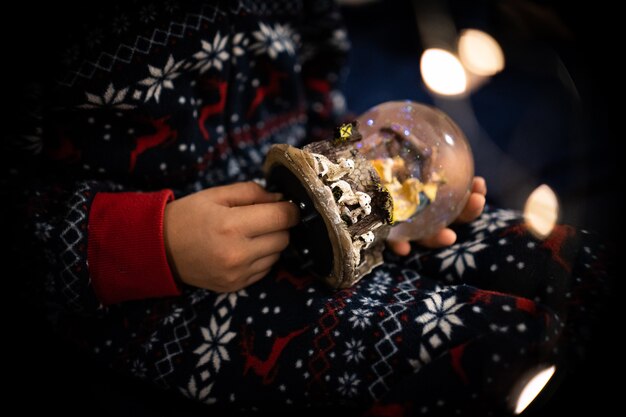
344	211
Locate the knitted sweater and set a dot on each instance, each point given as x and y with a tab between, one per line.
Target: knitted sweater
142	103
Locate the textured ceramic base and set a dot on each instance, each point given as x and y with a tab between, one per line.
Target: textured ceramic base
349	259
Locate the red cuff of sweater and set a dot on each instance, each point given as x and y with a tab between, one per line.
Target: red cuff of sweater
126	253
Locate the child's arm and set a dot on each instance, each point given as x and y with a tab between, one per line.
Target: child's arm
226	238
446	237
93	243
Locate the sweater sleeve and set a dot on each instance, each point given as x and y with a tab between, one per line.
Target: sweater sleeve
80	238
125	250
78	244
94	245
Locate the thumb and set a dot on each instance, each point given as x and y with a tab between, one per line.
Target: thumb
243	194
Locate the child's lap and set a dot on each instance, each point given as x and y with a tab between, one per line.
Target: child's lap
498	298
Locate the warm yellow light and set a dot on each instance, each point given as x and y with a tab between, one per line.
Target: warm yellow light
480	53
442	72
533	388
541	211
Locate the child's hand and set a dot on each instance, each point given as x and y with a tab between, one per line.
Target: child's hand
226	238
446	237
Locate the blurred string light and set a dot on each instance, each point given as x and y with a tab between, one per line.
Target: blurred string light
541	211
480	53
532	388
442	72
480	57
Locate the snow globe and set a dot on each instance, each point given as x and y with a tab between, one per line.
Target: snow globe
402	171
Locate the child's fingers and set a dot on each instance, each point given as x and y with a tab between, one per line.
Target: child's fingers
242	194
479	185
442	238
473	208
399	247
257	270
259	219
268	244
263	264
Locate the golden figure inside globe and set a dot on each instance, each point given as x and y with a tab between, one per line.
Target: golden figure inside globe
402	170
410	195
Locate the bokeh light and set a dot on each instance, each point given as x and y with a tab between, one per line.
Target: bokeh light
480	53
442	72
533	388
541	211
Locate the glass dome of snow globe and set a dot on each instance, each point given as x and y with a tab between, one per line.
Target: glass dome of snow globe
423	159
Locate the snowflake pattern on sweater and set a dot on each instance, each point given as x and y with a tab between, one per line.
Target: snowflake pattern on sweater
179	99
288	341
